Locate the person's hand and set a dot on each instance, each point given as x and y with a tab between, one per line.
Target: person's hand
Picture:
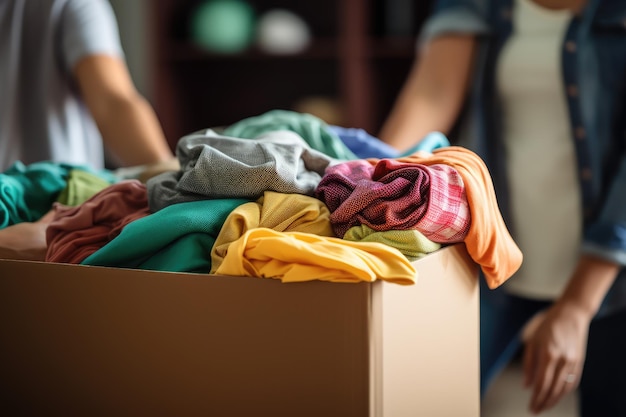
555	346
25	241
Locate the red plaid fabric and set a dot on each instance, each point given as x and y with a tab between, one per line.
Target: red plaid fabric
447	216
390	195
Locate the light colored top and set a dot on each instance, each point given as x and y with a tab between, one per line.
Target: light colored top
541	160
41	114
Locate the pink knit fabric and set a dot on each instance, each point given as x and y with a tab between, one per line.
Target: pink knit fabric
77	232
353	198
390	195
447	218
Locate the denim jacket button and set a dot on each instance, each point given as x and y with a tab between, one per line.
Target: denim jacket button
506	13
570	46
586	174
572	90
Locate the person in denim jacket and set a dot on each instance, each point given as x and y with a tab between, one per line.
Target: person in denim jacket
538	89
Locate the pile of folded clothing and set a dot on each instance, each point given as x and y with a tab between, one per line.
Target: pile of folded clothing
281	195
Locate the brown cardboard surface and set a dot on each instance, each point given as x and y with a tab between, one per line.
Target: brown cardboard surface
426	340
89	341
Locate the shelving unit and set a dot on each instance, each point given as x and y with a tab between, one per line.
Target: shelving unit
352	59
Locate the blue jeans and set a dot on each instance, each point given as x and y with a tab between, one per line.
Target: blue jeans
502	317
603	384
602	391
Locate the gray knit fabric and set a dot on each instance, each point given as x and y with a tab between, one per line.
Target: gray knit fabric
216	166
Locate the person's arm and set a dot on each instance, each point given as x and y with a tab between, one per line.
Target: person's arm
26	240
555	351
434	92
127	122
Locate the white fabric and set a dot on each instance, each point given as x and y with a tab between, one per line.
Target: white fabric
544	190
41	115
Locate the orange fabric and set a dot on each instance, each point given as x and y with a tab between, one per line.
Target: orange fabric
488	242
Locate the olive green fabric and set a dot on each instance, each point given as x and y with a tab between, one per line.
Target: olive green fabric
81	186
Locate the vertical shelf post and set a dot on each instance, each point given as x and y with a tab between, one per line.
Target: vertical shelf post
355	71
164	90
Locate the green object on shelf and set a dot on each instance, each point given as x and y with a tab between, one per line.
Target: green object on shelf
224	26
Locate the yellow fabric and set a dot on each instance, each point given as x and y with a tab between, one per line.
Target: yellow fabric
278	211
296	256
488	242
411	243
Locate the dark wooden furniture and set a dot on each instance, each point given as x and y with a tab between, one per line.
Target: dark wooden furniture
357	57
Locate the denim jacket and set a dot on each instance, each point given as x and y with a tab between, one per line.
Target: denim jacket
594	74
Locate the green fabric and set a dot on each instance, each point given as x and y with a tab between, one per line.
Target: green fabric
178	238
27	192
81	186
313	130
412	243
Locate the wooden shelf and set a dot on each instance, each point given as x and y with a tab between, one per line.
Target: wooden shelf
319	49
350	61
184	51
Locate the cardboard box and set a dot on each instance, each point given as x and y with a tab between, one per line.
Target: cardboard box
90	341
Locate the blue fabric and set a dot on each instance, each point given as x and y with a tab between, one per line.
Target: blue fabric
603	385
364	145
429	143
502	317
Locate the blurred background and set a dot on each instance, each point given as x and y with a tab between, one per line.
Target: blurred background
207	63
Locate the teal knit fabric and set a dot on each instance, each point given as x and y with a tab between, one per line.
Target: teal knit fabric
27	192
312	129
178	238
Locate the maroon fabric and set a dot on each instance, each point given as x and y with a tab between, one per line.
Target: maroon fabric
392	201
447	218
390	195
77	232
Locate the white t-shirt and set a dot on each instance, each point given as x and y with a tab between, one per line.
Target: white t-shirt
41	114
541	159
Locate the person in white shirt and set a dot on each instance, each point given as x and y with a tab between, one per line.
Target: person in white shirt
66	94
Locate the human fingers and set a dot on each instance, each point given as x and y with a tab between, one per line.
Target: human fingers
529	365
565	380
543	379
